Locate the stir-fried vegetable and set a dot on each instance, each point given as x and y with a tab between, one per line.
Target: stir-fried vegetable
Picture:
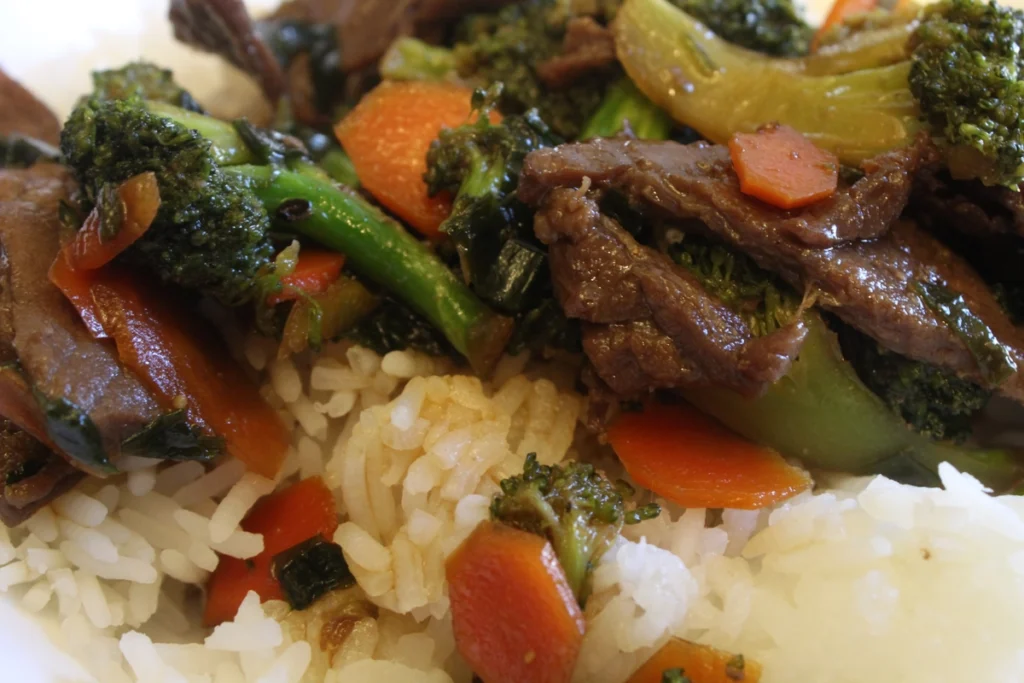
184	363
698	663
840	12
211	233
624	107
855	115
310	570
822	412
773	27
780	166
689	459
514	615
315	271
387	136
121	217
286	518
958	78
575	507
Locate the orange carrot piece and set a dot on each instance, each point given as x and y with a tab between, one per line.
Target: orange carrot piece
285	518
781	167
840	12
387	136
315	271
76	286
179	357
514	616
689	459
700	663
140	200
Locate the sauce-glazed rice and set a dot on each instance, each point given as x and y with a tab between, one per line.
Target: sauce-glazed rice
413	456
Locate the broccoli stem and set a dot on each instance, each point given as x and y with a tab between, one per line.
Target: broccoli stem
623	105
380	250
228	147
409	59
823	413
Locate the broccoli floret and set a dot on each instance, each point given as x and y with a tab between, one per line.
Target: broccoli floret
762	298
625	107
957	75
575	507
223	186
967	73
774	27
210	233
932	400
506	47
145	80
491	230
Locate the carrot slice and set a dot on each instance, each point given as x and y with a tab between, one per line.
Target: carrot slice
513	613
700	663
315	271
76	286
285	518
387	136
840	12
180	358
689	459
140	199
781	167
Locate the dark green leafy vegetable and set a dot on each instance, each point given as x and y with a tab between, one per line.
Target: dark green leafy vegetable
933	401
491	230
575	507
773	27
310	570
394	326
171	437
993	357
546	327
74	433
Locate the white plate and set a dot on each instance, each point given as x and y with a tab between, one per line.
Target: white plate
51	46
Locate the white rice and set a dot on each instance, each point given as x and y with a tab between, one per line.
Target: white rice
870	581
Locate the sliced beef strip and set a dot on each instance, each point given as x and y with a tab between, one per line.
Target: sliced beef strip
869	284
31	475
588	47
652	169
56	353
967	206
22	113
648	322
224	27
